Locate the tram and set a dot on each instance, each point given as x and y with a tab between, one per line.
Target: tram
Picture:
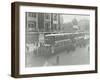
52	43
66	41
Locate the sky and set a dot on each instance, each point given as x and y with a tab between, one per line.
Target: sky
69	18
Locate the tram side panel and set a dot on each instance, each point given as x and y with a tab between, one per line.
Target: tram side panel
60	43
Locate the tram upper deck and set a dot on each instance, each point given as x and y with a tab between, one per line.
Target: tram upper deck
60	37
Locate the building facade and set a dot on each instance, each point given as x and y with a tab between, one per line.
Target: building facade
39	24
42	22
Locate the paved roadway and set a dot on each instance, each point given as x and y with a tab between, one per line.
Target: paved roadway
79	56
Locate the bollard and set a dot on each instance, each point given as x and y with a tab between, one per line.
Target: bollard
57	60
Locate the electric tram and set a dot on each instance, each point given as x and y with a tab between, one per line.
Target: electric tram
67	41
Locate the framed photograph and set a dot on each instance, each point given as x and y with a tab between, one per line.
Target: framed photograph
53	39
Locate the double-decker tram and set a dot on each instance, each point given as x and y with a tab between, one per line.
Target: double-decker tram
66	41
59	41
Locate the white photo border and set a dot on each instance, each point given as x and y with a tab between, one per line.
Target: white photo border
70	68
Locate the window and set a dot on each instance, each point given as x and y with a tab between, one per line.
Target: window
55	17
55	27
32	25
47	26
47	16
33	15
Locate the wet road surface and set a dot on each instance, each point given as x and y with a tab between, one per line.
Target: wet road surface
76	57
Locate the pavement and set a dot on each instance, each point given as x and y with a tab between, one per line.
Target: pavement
76	57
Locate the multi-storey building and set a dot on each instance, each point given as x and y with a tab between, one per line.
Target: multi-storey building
41	24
